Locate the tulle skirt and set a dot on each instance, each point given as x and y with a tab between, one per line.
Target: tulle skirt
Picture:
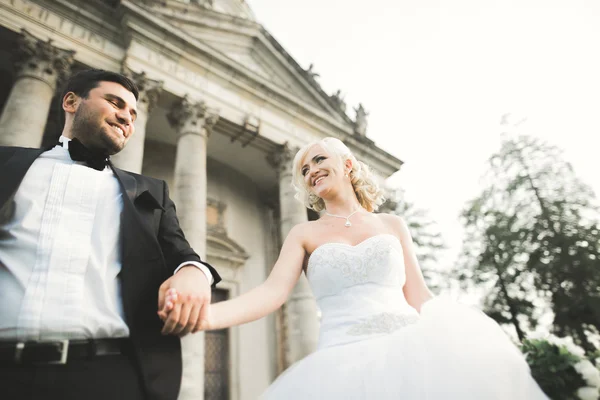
452	352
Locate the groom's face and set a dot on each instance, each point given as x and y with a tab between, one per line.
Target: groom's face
104	121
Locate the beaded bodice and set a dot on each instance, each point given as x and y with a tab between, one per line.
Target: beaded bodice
359	289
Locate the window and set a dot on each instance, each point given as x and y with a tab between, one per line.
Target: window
216	358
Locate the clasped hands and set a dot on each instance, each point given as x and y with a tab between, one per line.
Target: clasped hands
184	302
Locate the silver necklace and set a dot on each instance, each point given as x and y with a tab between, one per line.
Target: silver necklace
348	224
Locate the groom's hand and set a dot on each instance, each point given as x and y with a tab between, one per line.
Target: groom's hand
193	298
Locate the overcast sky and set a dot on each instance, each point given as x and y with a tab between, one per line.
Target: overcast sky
437	76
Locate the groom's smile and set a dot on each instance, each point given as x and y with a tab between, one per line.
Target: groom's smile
105	120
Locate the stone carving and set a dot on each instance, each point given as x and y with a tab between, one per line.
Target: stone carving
252	124
204	3
282	157
210	120
152	2
150	89
41	59
338	100
311	73
40	69
250	128
360	122
187	116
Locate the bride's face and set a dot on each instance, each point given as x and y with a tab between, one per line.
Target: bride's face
321	170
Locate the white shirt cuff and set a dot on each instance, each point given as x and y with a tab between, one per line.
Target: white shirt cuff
201	267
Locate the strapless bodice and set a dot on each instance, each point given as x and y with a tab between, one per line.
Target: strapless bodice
359	289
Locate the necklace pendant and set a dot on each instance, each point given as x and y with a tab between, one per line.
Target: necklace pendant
347	224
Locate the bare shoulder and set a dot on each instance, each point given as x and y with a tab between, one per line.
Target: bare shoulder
394	222
302	231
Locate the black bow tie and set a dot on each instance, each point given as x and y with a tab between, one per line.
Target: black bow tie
79	152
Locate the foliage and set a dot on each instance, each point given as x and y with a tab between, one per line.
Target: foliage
561	368
532	238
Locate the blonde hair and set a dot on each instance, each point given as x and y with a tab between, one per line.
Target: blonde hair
368	193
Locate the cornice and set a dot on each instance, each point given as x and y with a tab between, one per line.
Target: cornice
324	98
197	14
92	14
179	45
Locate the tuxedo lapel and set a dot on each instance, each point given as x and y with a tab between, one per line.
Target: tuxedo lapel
14	164
137	193
128	182
131	225
140	250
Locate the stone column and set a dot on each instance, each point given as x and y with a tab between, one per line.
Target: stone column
193	122
132	156
301	308
40	67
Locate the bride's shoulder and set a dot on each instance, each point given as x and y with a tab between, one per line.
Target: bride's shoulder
393	220
396	224
304	229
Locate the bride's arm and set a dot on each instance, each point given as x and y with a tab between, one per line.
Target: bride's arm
268	296
416	291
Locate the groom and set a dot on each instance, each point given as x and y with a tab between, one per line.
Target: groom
84	249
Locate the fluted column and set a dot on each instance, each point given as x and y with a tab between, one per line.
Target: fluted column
40	67
301	307
193	122
131	157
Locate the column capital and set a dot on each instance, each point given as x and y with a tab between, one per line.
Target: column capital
150	89
42	60
189	117
282	157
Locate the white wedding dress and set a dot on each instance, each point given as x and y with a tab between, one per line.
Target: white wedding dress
373	345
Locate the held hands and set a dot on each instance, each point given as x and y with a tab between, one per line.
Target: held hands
171	301
184	302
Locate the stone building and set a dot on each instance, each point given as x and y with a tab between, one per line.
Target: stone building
222	108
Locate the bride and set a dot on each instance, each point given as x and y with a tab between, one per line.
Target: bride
382	335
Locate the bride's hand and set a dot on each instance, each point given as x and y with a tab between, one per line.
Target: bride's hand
172	297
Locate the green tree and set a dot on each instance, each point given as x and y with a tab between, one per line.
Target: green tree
536	232
492	256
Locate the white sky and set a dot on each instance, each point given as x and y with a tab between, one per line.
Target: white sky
437	76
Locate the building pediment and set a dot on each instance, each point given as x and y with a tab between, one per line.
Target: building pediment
247	45
234	8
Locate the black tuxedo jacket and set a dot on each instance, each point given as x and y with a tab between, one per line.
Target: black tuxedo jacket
152	246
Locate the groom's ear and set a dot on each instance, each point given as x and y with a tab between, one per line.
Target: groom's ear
70	102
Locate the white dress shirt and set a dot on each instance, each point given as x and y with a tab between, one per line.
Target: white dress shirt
60	253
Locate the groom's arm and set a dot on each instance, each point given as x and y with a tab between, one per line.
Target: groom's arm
188	278
175	247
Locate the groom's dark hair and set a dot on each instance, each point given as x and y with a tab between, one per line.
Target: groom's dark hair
82	82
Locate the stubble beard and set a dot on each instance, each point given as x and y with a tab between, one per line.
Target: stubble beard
89	130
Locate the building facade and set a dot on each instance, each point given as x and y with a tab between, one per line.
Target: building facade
222	109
